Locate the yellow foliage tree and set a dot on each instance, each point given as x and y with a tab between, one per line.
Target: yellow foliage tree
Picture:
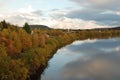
42	40
25	39
35	40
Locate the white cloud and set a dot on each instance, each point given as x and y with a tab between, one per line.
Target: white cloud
57	19
75	24
21	16
26	10
59	12
62	22
77	43
111	12
118	13
1	15
89	14
117	49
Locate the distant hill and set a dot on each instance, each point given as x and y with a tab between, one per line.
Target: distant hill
113	28
102	29
46	27
39	27
116	28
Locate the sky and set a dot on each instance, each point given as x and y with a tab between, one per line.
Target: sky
75	14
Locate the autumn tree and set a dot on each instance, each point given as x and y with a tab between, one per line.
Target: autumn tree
42	40
17	42
25	39
35	42
2	50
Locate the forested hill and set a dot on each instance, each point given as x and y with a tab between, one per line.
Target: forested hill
39	27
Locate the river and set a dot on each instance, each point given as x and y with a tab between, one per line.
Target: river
97	59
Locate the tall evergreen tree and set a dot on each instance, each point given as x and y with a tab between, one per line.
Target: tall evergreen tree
26	27
3	25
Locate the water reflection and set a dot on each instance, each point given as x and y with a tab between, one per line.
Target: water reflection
86	60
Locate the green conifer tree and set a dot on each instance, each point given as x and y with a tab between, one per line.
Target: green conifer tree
26	27
3	25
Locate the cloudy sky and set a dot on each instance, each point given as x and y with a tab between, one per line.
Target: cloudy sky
78	14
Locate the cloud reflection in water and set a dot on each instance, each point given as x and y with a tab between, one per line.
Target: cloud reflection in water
100	61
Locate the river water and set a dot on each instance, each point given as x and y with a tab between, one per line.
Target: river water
97	59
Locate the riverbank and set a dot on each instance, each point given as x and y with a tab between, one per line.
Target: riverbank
24	56
41	56
46	57
59	45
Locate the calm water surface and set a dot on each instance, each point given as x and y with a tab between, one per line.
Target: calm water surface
86	60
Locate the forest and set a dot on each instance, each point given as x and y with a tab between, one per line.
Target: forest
25	51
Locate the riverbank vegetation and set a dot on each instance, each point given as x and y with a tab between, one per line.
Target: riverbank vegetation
23	51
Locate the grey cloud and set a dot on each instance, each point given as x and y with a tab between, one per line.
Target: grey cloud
55	9
38	12
86	14
99	4
94	10
96	15
92	14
